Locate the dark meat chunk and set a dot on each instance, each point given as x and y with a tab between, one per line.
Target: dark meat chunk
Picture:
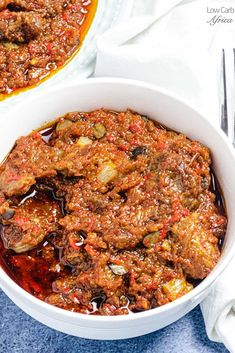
196	245
29	224
12	4
22	27
31	158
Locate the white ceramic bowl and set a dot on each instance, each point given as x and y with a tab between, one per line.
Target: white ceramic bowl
121	94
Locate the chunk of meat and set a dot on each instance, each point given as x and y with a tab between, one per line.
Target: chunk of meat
196	245
31	158
21	27
30	224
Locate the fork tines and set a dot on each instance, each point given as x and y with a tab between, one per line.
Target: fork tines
227	103
224	106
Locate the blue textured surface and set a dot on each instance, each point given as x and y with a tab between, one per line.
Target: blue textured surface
19	333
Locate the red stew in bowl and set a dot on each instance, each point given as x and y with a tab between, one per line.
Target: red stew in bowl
109	213
37	37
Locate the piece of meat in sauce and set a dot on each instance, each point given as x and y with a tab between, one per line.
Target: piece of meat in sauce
196	245
21	27
26	226
31	158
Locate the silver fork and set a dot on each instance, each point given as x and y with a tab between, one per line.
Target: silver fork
227	94
234	97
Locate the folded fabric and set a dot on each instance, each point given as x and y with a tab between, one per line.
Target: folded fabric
177	45
219	309
169	50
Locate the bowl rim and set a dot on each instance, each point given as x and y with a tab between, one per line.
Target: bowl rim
192	295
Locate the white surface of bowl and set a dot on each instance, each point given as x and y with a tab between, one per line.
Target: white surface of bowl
120	94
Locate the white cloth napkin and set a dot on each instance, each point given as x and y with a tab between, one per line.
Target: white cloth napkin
175	45
219	309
